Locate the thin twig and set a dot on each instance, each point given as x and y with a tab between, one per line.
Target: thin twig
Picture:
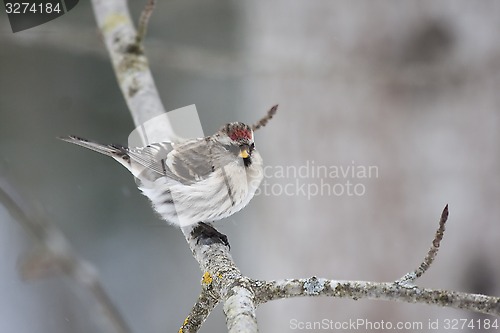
409	278
263	121
142	27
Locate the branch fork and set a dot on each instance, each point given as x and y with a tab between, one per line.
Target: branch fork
222	281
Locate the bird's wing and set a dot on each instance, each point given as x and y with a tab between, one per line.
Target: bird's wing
187	162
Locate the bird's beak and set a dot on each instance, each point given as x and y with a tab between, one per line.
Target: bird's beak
244	152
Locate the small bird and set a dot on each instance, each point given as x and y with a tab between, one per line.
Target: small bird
195	181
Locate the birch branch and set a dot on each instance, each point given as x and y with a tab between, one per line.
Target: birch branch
130	63
226	283
222	280
138	88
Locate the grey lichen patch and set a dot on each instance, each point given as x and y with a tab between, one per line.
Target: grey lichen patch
314	286
443	299
342	288
267	291
236	285
348	290
407	280
264	292
292	288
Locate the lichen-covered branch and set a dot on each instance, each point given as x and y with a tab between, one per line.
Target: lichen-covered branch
136	83
206	302
390	291
225	281
222	280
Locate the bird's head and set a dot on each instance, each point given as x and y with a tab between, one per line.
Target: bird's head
238	138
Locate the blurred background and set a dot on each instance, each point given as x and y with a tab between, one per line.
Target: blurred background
409	88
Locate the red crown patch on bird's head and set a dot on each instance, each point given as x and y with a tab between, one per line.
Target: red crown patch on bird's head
239	131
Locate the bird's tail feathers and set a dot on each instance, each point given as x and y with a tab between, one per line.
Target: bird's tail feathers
110	150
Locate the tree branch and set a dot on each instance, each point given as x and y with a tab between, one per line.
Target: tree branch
226	283
144	21
409	278
138	88
389	291
263	121
222	280
202	308
130	64
57	256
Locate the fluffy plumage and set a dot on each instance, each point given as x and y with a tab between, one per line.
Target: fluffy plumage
199	180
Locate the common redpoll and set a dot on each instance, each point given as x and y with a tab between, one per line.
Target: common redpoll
199	180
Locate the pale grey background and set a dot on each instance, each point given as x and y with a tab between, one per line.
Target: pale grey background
409	86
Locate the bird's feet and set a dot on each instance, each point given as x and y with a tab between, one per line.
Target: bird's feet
208	235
